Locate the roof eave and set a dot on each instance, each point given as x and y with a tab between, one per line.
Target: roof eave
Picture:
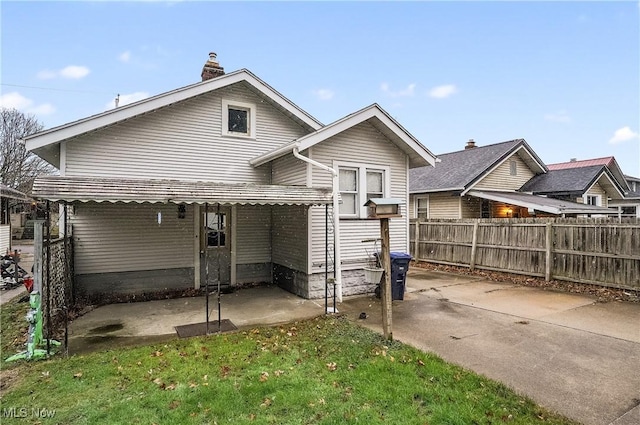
95	122
421	155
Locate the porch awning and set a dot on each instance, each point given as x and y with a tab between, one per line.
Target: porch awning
97	189
541	203
7	192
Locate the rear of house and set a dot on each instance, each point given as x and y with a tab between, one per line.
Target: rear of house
201	184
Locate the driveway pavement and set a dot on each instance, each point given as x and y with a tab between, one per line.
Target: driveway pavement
565	351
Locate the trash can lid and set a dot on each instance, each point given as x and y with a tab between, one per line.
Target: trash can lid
397	255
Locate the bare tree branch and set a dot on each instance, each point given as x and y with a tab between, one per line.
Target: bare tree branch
19	168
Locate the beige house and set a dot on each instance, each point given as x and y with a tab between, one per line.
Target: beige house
227	180
596	182
495	181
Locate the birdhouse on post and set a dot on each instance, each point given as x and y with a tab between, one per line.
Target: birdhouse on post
383	208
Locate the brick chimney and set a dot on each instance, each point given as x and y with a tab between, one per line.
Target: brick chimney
211	68
470	144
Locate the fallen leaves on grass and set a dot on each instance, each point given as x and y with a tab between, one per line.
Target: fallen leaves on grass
332	366
267	402
264	376
77	375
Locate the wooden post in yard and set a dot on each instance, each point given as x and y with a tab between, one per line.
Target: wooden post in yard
386	285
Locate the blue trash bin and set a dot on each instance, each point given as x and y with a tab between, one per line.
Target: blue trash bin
399	267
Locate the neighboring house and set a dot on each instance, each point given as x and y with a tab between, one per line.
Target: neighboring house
630	205
7	196
598	182
225	178
487	182
617	182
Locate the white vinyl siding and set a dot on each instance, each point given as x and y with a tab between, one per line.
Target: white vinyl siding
444	205
253	234
289	170
501	177
361	144
127	237
183	141
289	236
5	238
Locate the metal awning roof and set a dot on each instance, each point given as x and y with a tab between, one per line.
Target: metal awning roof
541	203
97	189
8	192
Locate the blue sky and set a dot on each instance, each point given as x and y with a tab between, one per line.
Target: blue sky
565	76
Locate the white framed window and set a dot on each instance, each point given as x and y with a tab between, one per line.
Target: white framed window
593	200
422	207
358	183
238	119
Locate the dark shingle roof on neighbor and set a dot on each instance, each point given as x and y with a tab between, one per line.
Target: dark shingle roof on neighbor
458	169
567	180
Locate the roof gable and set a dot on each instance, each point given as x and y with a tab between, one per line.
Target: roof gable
376	116
58	134
458	171
573	181
608	161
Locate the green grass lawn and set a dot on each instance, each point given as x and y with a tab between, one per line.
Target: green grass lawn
321	371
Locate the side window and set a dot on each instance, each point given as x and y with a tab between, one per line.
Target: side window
349	191
358	183
592	200
375	184
422	208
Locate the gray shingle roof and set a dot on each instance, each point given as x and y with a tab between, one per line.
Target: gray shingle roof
568	180
456	170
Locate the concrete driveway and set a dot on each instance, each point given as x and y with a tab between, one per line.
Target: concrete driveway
566	352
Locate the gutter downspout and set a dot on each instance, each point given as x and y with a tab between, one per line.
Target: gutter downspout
336	217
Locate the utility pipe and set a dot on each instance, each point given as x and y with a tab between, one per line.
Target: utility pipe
336	218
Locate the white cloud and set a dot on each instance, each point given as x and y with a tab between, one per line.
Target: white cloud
406	92
324	94
444	91
73	72
15	100
622	135
125	99
125	56
560	116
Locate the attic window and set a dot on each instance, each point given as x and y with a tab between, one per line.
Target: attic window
238	119
513	168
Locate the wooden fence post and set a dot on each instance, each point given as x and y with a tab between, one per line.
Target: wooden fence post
474	246
416	241
548	252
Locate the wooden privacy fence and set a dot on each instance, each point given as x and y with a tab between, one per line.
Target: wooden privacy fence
579	250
